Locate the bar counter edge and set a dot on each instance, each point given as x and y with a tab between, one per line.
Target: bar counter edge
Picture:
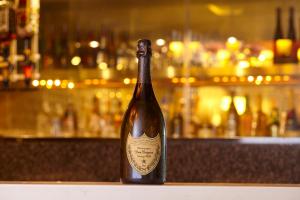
245	160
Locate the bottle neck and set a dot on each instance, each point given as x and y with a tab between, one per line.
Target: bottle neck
291	31
278	31
144	76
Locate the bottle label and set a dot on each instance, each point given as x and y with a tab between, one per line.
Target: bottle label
143	153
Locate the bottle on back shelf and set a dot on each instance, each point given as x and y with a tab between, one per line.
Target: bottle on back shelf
291	116
143	132
8	21
176	126
70	121
274	123
232	120
246	120
27	64
260	125
277	36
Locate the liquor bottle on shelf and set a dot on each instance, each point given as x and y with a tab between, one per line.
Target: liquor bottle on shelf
260	125
246	120
143	133
8	21
274	124
111	50
123	56
70	121
94	118
102	54
278	35
292	36
5	64
176	127
27	65
291	116
232	120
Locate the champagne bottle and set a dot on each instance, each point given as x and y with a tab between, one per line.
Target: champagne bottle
277	36
143	132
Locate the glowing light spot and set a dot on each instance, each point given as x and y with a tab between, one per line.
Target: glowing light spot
175	80
160	42
286	78
106	74
120	67
57	82
170	71
243	64
268	78
42	82
76	60
250	78
259	78
71	85
277	78
49	83
94	44
225	79
126	81
102	65
216	79
35	83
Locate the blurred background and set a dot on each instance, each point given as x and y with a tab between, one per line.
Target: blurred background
220	68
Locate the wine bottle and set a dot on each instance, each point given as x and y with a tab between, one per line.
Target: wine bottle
232	120
143	132
277	36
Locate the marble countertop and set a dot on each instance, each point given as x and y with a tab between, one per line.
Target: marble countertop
117	191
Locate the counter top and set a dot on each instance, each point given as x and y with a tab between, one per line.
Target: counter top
117	191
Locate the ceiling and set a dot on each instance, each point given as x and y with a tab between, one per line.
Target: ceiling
251	20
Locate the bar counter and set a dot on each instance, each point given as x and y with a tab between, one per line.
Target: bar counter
246	160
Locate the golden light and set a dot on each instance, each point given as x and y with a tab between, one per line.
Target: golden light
216	119
257	82
216	79
298	54
118	94
225	103
160	42
225	79
175	80
88	81
194	45
112	95
126	81
119	67
277	78
71	85
35	83
102	65
233	79
266	54
94	44
240	104
106	74
182	80
242	79
241	56
170	71
250	78
64	84
233	44
96	81
57	82
284	46
268	78
191	79
223	54
76	60
42	82
77	45
49	83
286	78
259	78
176	47
243	64
136	60
133	80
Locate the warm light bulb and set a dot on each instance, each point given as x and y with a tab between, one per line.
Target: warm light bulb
102	66
170	71
126	81
160	42
176	47
76	60
42	82
94	44
57	82
35	83
49	83
71	85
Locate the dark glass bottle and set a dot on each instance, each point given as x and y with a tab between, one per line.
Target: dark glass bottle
246	121
277	35
143	132
232	120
